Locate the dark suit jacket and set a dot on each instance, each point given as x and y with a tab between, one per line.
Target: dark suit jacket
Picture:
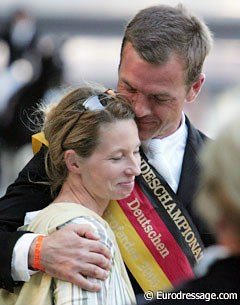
222	277
24	196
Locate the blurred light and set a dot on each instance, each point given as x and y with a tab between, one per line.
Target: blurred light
4	55
118	9
91	58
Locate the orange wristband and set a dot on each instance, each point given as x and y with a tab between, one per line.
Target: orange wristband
37	253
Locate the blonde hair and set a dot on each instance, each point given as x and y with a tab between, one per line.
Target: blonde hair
68	125
219	191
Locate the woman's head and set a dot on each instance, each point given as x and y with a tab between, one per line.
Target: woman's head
81	125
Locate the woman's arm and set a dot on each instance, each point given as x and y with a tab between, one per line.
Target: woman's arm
113	289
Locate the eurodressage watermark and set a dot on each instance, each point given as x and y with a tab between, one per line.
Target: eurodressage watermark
204	296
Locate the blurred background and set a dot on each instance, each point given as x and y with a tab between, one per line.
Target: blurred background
46	46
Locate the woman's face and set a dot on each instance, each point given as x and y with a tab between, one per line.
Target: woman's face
110	171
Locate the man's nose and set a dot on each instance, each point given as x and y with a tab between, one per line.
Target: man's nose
140	105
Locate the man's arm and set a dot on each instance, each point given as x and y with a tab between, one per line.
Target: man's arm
26	194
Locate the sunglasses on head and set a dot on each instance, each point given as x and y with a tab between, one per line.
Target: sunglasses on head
93	103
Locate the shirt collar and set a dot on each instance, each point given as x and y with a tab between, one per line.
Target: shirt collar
179	136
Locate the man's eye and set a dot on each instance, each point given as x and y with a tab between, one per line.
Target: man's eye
131	90
161	100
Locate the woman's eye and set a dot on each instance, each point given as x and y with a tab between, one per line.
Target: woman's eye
116	158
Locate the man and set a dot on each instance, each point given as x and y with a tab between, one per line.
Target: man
218	274
162	55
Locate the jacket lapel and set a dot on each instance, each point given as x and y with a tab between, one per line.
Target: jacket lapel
190	168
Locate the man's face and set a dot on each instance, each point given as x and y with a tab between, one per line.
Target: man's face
156	92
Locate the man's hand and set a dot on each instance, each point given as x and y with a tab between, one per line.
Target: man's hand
72	253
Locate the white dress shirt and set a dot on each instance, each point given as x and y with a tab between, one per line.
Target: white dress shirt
166	155
20	271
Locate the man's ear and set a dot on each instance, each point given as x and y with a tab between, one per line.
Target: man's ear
72	161
195	88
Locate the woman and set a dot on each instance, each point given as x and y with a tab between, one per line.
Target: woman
91	159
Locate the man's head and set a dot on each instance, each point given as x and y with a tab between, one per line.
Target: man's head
158	32
162	56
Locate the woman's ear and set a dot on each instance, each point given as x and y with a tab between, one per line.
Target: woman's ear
72	161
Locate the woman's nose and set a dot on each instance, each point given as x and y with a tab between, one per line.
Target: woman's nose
134	168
